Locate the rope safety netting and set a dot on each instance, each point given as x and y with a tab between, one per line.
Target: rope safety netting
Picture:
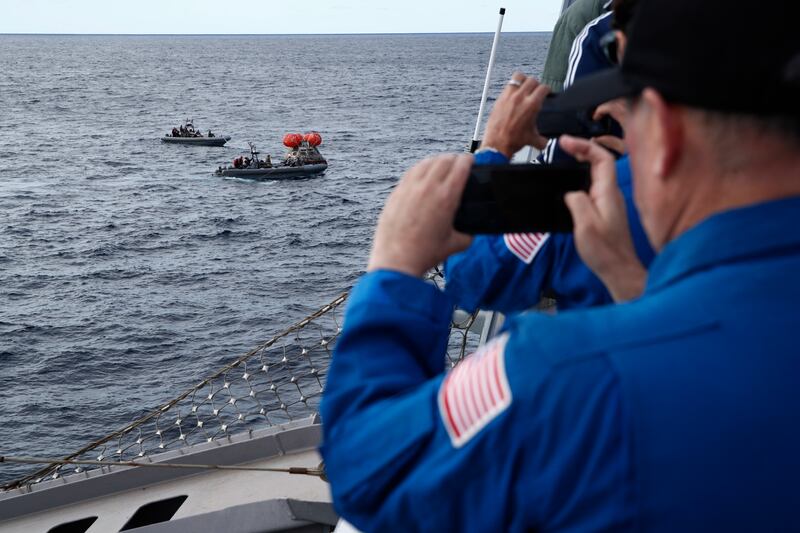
279	381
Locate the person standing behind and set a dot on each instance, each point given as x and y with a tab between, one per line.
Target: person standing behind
512	272
571	22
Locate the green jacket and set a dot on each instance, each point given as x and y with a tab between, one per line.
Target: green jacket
569	25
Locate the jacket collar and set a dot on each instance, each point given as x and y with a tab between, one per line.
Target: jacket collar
730	236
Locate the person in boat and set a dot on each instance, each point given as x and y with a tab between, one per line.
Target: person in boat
268	161
175	132
183	131
210	135
512	273
292	159
674	412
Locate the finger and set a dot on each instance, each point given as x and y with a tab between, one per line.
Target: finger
535	101
583	211
439	168
538	95
586	151
601	111
512	88
456	181
459	171
528	86
611	142
418	169
604	174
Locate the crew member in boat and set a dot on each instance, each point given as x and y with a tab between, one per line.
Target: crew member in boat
511	273
674	412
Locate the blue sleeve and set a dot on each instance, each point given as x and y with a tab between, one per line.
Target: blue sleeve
490	157
488	275
549	445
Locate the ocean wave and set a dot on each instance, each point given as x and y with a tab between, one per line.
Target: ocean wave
128	269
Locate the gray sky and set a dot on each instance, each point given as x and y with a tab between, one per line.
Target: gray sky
270	16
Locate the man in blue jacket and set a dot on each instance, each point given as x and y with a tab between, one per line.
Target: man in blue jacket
675	412
512	272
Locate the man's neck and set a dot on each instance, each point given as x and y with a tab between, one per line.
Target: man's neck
770	179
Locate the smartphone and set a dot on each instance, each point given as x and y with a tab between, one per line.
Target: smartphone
519	198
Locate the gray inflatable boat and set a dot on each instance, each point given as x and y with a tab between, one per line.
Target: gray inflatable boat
188	134
303	161
279	172
196	141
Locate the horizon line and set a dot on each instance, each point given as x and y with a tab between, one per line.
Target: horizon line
45	34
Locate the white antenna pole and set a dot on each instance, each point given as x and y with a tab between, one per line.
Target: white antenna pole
476	136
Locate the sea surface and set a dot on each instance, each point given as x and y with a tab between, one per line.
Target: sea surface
127	270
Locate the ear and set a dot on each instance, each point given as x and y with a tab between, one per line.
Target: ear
666	127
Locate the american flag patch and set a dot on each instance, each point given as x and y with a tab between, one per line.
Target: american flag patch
475	392
525	245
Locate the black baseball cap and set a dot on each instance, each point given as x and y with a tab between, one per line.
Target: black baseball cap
720	55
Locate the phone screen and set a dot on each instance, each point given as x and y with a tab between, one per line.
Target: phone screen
519	198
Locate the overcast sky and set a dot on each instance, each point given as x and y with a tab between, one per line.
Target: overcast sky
271	16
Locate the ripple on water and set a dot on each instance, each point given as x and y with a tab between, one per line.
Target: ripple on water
129	270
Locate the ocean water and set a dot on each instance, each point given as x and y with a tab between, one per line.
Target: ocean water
127	270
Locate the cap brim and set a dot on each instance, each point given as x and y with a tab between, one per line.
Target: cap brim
595	89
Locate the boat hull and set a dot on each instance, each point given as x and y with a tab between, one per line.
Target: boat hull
276	173
197	141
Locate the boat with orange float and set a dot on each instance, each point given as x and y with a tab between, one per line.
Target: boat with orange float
303	159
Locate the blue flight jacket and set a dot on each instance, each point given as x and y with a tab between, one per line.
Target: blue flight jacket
495	273
675	412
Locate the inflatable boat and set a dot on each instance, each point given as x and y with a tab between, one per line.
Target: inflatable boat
276	172
196	141
302	160
188	134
